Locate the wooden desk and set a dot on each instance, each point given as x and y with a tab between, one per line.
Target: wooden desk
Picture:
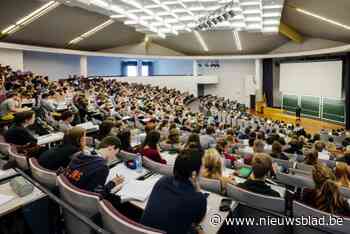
17	202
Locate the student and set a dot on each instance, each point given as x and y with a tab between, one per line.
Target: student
176	204
65	123
342	175
320	174
60	156
259	146
173	140
193	142
150	147
329	199
277	151
345	158
106	129
311	158
90	172
213	168
207	140
11	104
125	139
262	166
18	133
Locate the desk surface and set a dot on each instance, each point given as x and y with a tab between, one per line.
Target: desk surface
17	202
49	138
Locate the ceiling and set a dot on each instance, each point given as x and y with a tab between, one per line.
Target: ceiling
64	23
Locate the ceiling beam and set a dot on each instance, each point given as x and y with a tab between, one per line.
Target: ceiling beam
290	33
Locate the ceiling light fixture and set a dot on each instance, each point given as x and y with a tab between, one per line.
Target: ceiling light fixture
323	18
237	40
30	18
91	32
201	41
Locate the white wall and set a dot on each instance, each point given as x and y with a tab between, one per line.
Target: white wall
182	83
13	58
232	79
173	67
56	66
140	48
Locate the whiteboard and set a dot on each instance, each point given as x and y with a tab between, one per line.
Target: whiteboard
312	78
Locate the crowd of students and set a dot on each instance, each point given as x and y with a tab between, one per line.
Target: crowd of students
222	132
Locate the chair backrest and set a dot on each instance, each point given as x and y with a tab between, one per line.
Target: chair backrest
210	185
21	160
83	201
116	223
302	210
156	167
125	156
255	200
295	180
42	175
345	192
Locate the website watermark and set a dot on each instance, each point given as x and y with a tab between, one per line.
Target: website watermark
217	219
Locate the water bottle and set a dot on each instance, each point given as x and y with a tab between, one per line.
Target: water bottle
139	163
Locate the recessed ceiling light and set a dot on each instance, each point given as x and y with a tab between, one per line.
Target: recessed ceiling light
323	18
201	41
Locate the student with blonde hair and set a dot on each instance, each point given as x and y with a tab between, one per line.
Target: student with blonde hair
342	175
212	168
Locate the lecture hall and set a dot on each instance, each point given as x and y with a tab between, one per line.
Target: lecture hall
174	116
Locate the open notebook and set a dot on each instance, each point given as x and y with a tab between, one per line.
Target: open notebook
5	198
137	189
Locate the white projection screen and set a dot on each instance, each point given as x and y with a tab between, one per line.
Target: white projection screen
312	78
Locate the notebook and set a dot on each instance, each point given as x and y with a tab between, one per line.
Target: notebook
5	198
138	190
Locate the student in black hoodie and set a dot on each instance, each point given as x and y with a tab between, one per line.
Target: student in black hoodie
90	172
60	156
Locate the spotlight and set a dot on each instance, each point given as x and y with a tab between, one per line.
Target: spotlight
231	13
209	23
219	19
226	16
214	21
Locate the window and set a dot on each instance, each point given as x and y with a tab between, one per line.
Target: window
131	70
145	70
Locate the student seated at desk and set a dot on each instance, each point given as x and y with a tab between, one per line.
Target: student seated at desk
150	147
47	102
207	140
107	128
173	139
89	172
60	156
213	168
277	151
176	204
11	104
342	175
125	139
193	142
262	166
326	196
18	133
311	157
65	122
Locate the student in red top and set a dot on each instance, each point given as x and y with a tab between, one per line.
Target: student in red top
150	147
